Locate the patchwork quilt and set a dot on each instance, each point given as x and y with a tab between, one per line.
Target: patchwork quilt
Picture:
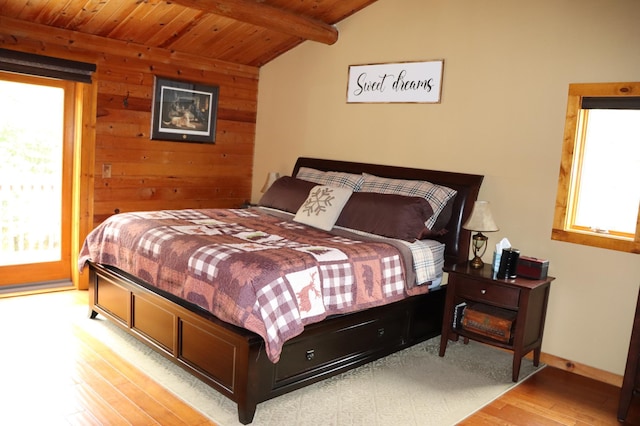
259	271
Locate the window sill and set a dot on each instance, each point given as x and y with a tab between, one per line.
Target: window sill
592	239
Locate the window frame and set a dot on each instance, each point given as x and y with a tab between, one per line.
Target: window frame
563	227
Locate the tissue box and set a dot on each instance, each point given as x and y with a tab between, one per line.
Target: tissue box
496	260
530	267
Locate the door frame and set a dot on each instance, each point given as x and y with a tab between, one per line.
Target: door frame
83	176
78	179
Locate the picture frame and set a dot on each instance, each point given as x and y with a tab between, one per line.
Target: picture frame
184	112
399	82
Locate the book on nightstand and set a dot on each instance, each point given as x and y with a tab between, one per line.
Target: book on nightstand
458	313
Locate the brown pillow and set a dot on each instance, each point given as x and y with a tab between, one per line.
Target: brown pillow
287	193
389	215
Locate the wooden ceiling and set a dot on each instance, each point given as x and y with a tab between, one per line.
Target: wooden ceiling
249	32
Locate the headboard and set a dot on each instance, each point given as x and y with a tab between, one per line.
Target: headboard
456	239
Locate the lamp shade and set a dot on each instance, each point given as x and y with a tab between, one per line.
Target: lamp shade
481	219
271	177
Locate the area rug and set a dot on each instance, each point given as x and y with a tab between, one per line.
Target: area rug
412	387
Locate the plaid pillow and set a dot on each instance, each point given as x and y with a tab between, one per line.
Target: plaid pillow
338	179
436	195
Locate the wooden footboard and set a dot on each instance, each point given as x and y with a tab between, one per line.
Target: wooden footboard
233	361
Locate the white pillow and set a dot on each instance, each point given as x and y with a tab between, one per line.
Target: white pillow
323	206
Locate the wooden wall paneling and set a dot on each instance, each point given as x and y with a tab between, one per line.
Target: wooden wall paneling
232	141
150	174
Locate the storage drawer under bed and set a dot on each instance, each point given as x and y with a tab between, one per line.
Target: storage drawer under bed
344	341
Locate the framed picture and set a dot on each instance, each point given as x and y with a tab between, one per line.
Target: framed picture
183	111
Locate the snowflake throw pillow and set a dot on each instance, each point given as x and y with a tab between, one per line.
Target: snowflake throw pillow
323	206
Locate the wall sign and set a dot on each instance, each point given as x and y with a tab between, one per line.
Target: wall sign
403	82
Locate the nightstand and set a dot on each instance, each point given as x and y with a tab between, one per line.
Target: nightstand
525	299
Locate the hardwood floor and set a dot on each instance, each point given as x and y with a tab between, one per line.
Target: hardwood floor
555	397
52	374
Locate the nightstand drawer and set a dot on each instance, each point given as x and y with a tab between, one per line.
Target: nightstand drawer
480	291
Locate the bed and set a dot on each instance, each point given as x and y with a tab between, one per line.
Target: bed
250	362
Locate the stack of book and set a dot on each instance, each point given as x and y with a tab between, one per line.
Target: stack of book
490	321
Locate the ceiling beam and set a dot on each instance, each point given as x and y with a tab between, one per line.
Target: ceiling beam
260	14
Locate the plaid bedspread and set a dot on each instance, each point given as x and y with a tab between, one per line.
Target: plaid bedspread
261	272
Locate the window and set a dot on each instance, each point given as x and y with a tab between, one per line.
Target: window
598	199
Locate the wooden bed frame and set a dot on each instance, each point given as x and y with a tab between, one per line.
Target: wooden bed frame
233	361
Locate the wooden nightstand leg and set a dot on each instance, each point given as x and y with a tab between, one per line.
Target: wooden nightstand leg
536	356
443	343
517	360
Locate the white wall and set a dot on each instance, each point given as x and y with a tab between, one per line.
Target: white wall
507	68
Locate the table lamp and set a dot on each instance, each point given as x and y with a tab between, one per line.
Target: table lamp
271	177
481	220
